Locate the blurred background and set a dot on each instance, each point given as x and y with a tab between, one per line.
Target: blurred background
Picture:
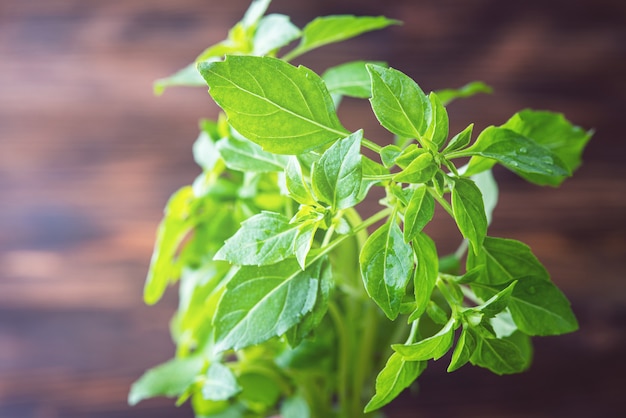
88	158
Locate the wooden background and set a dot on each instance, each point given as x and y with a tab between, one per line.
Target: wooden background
88	158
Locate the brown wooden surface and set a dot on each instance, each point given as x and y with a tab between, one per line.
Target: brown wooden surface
88	158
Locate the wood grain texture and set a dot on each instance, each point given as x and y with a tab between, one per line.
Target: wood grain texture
88	158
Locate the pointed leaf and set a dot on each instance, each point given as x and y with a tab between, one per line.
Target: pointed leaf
448	95
437	131
386	265
469	211
263	302
244	155
286	110
330	29
273	32
555	133
500	355
350	79
433	347
170	379
418	213
336	177
263	239
426	272
506	260
399	103
460	140
516	152
397	375
463	351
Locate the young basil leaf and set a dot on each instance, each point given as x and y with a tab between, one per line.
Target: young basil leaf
397	375
371	170
386	265
336	177
433	347
205	153
434	312
220	384
255	12
460	140
448	95
263	302
500	355
497	303
426	272
506	260
286	110
172	230
389	153
555	133
398	102
350	79
418	213
273	32
330	29
244	155
297	186
185	77
437	131
463	351
516	152
469	211
304	240
420	170
260	391
171	378
263	239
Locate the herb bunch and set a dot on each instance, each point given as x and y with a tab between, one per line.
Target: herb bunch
290	302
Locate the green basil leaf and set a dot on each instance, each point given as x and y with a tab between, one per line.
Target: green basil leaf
350	79
336	177
398	102
463	351
220	384
516	152
172	230
500	355
297	186
556	134
304	240
259	390
506	260
433	347
186	77
330	29
205	153
386	266
537	306
497	303
448	95
273	32
438	124
420	170
170	379
286	110
263	302
255	12
426	272
244	155
469	211
262	239
397	375
371	169
460	140
418	213
389	153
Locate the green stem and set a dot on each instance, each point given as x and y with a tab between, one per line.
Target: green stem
371	145
344	358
